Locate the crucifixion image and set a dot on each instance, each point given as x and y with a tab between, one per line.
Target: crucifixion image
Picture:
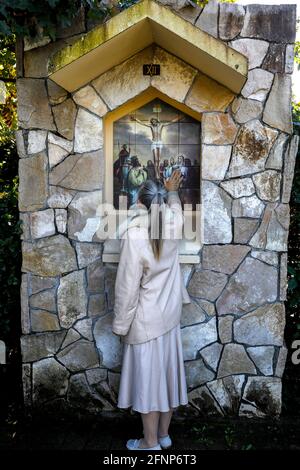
156	129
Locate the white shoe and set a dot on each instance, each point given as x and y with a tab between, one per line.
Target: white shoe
165	442
133	444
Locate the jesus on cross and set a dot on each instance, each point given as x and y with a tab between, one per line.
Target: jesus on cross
156	129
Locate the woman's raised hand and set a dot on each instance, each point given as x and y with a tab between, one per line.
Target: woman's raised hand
173	182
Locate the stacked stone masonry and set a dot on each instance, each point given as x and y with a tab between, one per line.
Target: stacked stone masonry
233	331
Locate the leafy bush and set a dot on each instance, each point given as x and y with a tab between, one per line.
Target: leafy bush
32	18
293	297
10	249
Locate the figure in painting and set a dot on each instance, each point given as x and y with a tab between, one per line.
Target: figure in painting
156	130
181	165
150	170
121	166
137	175
163	168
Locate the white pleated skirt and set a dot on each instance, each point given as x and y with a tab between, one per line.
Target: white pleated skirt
153	375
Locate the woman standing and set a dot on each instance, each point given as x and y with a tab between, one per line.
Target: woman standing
149	293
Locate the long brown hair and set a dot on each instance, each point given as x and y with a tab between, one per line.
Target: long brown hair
153	195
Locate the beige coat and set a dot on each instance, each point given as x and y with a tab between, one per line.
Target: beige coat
149	293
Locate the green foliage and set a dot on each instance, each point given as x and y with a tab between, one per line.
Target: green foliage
290	397
10	275
247	447
126	3
9	223
28	17
293	297
297	53
202	3
296	111
41	18
230	437
201	434
8	110
10	253
295	104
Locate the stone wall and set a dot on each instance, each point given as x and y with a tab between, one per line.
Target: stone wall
233	332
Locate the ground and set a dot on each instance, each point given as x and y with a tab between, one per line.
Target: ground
110	432
188	434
